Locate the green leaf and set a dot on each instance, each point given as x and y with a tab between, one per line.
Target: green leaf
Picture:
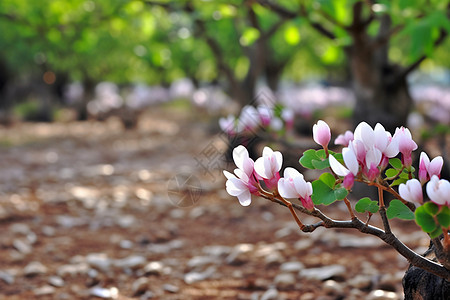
313	159
321	164
399	210
437	232
443	217
431	208
292	35
366	205
321	154
396	163
322	193
249	36
391	172
307	157
425	220
328	179
340	193
399	181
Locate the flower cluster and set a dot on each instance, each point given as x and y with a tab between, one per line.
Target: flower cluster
266	168
368	150
252	118
370	155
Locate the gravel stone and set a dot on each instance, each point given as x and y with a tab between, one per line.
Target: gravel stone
382	295
104	293
284	281
56	281
140	286
270	294
292	266
171	288
323	273
333	288
34	268
44	290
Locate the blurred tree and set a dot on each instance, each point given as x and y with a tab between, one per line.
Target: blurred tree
383	41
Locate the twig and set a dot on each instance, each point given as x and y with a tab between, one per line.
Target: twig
388	237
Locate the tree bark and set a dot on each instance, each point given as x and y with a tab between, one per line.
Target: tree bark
419	284
381	92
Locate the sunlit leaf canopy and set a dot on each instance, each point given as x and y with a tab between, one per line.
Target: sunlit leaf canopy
160	41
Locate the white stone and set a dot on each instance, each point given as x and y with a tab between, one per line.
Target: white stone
382	295
56	281
323	273
284	280
140	286
270	294
131	262
105	293
331	287
303	244
34	268
292	266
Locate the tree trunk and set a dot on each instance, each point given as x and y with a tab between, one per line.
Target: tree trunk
419	284
381	92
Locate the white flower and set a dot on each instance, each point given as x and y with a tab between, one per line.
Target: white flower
228	124
411	191
439	191
269	164
238	186
350	161
249	118
293	185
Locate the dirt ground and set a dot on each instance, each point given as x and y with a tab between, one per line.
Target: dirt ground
91	211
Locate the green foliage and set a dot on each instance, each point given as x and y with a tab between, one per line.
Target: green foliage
395	163
366	205
431	218
314	159
398	209
325	190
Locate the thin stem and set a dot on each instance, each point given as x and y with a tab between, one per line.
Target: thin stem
291	209
388	237
349	207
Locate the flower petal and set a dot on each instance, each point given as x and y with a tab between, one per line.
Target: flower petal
350	160
337	168
286	189
245	198
435	166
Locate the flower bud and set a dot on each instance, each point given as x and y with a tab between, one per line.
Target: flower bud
321	133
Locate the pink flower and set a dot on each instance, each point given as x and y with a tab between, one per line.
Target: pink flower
427	169
373	159
344	139
249	118
268	167
439	191
287	115
265	114
406	145
411	191
321	133
244	183
228	125
377	137
293	185
351	162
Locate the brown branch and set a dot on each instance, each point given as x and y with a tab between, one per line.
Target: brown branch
388	237
384	39
442	36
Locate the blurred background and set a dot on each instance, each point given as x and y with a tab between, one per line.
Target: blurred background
110	126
